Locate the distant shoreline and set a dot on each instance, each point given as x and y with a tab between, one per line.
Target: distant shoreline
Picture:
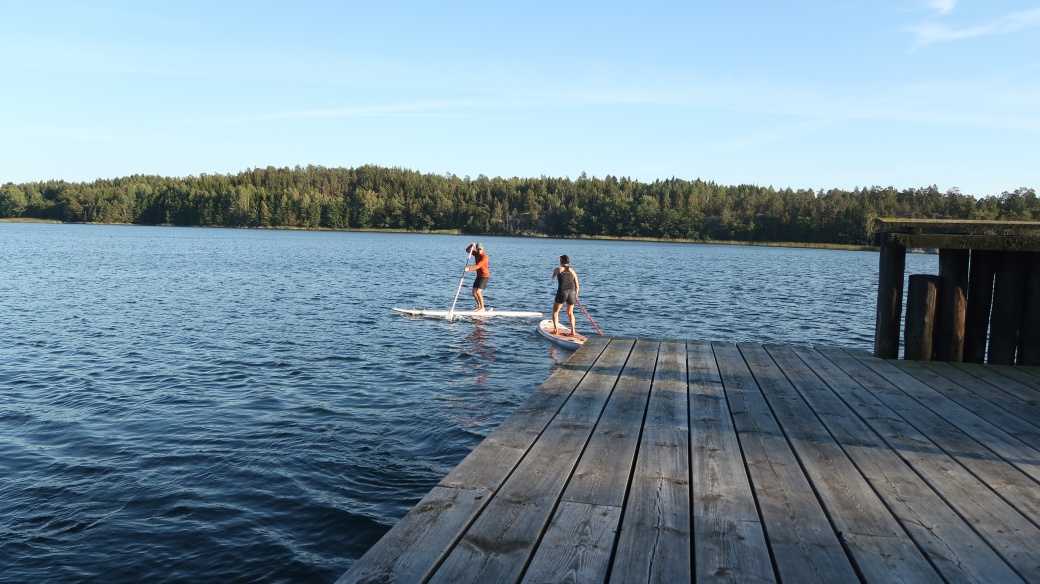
836	246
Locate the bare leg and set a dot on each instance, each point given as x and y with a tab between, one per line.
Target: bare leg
556	316
478	295
570	317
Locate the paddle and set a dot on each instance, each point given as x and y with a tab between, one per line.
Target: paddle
469	253
587	314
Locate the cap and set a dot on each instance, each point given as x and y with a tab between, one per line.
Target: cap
480	247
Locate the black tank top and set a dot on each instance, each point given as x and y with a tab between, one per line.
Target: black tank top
565	279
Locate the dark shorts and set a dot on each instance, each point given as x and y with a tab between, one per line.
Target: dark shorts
567	296
480	283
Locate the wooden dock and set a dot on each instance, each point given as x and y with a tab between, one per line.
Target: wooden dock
660	461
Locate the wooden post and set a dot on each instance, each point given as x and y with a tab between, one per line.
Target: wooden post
980	301
1029	334
920	317
891	267
953	302
1007	310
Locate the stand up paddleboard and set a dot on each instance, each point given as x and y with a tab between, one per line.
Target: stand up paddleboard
562	335
466	313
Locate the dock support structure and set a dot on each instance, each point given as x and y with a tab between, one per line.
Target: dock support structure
891	266
987	297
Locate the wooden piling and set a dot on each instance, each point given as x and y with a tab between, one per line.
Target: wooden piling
953	302
1007	310
1029	334
983	266
989	299
891	266
921	298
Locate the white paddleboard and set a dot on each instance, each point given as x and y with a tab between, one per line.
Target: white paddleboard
466	313
562	335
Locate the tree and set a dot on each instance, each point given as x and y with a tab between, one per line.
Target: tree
12	201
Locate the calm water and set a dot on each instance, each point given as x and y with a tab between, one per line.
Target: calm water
215	405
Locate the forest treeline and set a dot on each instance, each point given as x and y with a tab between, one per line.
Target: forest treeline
373	197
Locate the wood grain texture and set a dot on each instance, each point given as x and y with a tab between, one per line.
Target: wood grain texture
877	542
673	461
930	448
729	542
656	532
803	544
843	405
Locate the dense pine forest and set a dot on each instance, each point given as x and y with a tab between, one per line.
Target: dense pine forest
371	197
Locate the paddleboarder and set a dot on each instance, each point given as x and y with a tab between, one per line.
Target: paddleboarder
481	267
566	292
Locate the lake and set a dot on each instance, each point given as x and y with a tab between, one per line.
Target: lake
223	405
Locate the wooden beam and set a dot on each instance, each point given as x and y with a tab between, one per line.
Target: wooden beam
945	241
955	226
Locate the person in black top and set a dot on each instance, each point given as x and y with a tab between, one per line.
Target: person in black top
566	292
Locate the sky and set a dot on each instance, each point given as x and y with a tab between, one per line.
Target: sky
800	94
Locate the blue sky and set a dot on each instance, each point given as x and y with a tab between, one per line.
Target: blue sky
803	94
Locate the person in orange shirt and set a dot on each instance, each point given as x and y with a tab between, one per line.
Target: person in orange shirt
481	268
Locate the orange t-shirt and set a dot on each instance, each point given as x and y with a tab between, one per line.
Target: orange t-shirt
481	266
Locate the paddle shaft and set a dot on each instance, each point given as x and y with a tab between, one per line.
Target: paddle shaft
587	314
461	280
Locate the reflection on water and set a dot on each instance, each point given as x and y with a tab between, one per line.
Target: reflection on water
478	343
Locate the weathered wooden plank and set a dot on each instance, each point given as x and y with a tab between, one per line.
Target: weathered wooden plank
729	542
488	465
501	540
943	241
843	405
1001	525
418	542
999	392
881	549
804	546
956	226
600	479
654	542
1021	388
1027	380
976	432
603	472
577	546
